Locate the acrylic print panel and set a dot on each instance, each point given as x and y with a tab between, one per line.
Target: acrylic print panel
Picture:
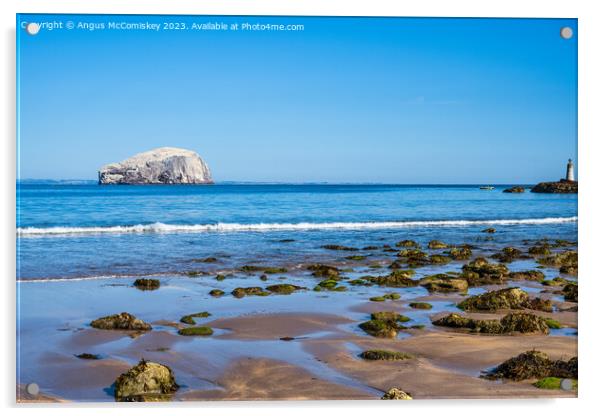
292	208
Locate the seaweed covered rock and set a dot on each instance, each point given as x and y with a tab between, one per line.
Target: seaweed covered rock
566	261
460	253
338	247
189	319
525	323
330	285
508	255
380	329
147	284
521	322
264	269
489	230
420	305
196	331
570	292
389	316
532	275
514	190
436	244
444	283
413	258
510	298
122	321
439	259
540	249
241	292
481	272
324	270
284	288
216	293
396	394
407	244
147	381
533	364
385	355
397	278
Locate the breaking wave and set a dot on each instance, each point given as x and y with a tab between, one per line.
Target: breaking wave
159	227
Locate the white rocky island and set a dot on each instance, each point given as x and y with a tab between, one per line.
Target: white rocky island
165	165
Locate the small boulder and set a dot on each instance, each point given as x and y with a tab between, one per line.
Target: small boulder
436	244
147	381
407	244
147	284
380	329
284	288
122	321
533	365
460	253
532	275
396	394
481	272
196	331
241	292
514	190
444	283
216	293
570	292
489	230
397	278
510	298
324	270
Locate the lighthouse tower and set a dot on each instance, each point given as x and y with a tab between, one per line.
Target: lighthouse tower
570	174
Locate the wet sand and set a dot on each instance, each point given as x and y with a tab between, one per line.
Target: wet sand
302	346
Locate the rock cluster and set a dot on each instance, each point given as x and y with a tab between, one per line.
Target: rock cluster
534	364
561	187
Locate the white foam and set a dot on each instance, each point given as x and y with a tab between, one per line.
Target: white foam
162	228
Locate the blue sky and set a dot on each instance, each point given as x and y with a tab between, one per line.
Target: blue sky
395	100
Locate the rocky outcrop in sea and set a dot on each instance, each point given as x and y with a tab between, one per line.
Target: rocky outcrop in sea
165	165
561	187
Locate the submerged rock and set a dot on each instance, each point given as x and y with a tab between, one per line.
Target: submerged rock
147	284
561	187
385	355
165	165
396	394
122	321
489	230
511	298
147	381
566	261
88	356
216	293
533	364
407	244
338	247
420	305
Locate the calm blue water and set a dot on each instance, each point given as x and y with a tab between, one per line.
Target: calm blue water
68	231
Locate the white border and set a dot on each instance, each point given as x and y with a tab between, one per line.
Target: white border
590	209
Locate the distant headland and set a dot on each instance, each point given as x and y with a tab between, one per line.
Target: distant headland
165	165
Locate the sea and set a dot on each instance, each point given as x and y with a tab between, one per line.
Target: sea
89	231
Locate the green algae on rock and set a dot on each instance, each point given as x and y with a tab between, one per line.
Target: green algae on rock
241	292
147	284
216	293
420	305
510	298
521	322
356	257
397	278
196	331
389	316
264	269
508	255
533	365
189	319
532	275
407	244
481	272
460	253
385	355
436	244
396	394
122	321
324	270
338	247
284	288
444	283
570	292
147	381
380	329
